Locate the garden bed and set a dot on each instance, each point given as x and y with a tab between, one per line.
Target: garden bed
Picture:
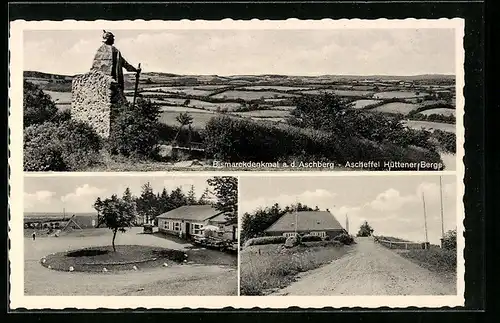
104	259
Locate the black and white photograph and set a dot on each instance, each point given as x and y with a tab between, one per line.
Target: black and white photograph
130	236
109	98
349	235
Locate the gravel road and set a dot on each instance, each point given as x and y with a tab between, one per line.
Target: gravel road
370	269
179	280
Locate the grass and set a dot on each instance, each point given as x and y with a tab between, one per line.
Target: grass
428	125
435	259
398	95
251	95
443	111
269	267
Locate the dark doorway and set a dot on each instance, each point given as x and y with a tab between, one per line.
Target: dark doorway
188	230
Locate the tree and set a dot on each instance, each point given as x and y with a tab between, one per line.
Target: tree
226	191
184	119
116	215
38	107
134	130
205	197
147	203
191	196
164	204
177	198
98	205
129	202
450	240
365	230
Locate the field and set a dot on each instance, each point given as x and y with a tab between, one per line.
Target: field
360	104
266	268
398	95
200	119
396	107
415	124
264	113
251	95
340	92
442	111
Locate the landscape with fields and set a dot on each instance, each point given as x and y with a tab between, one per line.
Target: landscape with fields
424	105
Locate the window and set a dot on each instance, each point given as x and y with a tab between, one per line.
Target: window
289	234
321	234
166	225
177	226
197	229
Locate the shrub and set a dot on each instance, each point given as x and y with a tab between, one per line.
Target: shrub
450	240
344	238
446	140
233	139
167	133
63	146
265	240
134	130
308	238
38	107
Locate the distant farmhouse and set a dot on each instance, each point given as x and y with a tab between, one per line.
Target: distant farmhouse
59	221
317	223
190	220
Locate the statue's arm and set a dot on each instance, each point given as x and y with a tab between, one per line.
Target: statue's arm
127	66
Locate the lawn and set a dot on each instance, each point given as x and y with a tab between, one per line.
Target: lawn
59	97
269	267
396	107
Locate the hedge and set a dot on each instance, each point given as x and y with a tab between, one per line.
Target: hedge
308	238
235	139
265	240
344	238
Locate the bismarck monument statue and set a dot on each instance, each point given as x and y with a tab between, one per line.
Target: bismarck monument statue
95	93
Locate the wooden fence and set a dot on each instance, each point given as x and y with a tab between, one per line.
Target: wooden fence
406	245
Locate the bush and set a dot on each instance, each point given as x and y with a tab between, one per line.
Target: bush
450	240
65	146
265	240
344	238
134	130
308	238
235	140
38	107
446	140
167	133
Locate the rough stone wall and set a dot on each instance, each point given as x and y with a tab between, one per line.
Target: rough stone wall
92	97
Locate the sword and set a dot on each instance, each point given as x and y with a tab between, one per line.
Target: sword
136	84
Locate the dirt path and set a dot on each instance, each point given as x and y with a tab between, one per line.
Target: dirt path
370	269
173	280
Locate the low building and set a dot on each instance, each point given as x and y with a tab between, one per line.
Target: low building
318	223
189	221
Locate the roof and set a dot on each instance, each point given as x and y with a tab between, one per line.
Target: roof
221	218
191	213
307	220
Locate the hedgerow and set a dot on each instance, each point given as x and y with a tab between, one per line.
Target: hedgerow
265	240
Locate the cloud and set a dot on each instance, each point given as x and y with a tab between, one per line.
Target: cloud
390	200
31	200
82	194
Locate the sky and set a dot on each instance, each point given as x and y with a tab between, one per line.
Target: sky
78	194
392	205
251	52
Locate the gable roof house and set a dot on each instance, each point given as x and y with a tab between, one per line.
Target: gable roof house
189	220
319	223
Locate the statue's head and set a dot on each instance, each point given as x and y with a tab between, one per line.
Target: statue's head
108	37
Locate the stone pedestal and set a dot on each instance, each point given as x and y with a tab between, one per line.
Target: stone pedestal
94	95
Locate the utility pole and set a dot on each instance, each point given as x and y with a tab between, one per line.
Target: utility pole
346	223
425	219
441	199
